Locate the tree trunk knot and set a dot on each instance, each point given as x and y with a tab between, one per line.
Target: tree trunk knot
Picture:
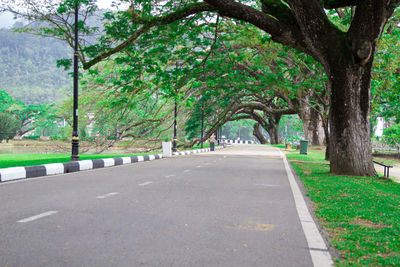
362	51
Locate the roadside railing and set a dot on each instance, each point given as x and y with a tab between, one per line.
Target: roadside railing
386	168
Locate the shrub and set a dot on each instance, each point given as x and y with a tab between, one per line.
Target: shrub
31	137
391	136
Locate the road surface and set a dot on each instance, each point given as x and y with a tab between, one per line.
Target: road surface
232	207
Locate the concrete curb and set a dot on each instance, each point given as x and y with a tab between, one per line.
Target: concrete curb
189	152
318	249
15	173
240	142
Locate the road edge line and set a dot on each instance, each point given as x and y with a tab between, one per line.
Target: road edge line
317	248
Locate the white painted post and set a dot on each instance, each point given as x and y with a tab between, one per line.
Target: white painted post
166	149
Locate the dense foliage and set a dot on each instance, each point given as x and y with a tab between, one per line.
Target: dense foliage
9	126
27	118
391	136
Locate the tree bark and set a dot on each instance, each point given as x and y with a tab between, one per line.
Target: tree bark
312	124
272	127
257	133
350	141
273	132
325	123
318	134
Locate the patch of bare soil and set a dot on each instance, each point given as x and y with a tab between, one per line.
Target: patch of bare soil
369	224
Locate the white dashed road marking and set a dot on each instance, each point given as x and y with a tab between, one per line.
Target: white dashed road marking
186	171
146	183
39	216
108	195
268	185
171	175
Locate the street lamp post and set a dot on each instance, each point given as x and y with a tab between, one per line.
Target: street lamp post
174	142
75	135
202	120
219	135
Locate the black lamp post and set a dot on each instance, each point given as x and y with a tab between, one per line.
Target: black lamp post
174	142
202	120
217	135
220	134
75	135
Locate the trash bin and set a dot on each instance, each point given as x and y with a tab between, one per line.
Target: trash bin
304	146
212	146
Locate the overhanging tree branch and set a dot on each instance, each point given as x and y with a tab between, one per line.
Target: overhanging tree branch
149	23
280	32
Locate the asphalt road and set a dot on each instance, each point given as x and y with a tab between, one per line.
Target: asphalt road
232	207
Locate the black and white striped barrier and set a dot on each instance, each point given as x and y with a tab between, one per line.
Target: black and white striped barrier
14	173
244	142
189	152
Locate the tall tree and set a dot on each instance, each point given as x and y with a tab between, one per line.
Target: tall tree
345	54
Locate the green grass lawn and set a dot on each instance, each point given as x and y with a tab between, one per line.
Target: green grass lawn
314	155
205	145
361	214
16	160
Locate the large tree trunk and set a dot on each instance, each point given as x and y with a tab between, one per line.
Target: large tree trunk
257	133
273	131
312	124
350	141
318	134
272	127
305	114
325	124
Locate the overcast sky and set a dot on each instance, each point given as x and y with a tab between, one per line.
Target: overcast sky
6	19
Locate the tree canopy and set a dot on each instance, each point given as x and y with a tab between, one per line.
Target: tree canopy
151	35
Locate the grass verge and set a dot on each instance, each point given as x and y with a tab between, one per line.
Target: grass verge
361	214
18	160
205	145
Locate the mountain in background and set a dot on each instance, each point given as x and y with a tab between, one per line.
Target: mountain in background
28	68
